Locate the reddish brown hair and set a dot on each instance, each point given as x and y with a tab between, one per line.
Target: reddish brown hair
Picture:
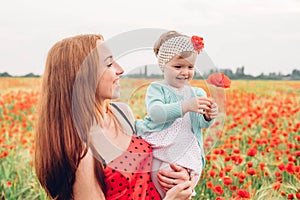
62	131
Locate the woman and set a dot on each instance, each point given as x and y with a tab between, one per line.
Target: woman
81	136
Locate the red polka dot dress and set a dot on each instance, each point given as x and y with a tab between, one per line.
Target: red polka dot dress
129	175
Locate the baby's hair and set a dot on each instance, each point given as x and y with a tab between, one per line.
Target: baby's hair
164	37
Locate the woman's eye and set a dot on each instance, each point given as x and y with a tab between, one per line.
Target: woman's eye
109	65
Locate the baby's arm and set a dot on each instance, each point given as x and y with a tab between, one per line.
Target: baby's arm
158	109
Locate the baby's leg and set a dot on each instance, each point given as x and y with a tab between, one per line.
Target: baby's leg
197	178
156	166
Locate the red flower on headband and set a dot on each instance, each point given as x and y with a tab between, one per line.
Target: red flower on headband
219	80
197	43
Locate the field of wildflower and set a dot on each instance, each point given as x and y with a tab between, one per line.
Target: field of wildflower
256	157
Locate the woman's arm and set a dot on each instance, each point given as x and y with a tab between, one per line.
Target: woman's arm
86	185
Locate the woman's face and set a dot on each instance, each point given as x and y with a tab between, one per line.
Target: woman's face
110	71
179	71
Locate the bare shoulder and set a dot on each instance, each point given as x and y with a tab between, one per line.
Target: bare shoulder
126	110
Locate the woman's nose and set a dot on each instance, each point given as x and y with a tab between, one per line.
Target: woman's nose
120	70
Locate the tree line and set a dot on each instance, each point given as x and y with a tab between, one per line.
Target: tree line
30	75
239	74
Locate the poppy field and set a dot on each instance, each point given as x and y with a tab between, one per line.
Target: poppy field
256	157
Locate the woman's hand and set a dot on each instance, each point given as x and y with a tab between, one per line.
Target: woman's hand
181	191
168	179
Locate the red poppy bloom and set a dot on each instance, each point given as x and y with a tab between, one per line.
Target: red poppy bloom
227	158
281	166
243	193
212	173
249	164
197	43
290	196
237	151
252	152
232	188
228	168
276	186
242	176
290	168
209	184
251	171
218	190
219	80
262	166
298	195
227	180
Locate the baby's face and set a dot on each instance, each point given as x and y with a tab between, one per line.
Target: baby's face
179	71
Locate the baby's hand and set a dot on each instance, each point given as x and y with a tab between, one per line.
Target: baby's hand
197	104
212	113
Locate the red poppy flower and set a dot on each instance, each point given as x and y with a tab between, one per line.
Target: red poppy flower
219	80
281	166
218	190
197	43
298	195
212	173
276	186
227	180
249	164
251	171
290	196
232	188
252	152
243	193
209	184
228	168
262	166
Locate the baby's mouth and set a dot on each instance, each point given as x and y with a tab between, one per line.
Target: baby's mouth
182	78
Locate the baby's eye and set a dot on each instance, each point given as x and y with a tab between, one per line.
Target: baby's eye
191	67
177	67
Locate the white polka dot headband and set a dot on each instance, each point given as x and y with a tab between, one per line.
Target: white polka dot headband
177	45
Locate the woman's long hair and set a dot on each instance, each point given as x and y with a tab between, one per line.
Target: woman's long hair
63	124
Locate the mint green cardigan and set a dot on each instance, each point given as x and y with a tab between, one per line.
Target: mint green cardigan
164	107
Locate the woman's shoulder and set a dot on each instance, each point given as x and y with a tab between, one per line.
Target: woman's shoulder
125	109
123	106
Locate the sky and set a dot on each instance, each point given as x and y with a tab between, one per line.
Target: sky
261	35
